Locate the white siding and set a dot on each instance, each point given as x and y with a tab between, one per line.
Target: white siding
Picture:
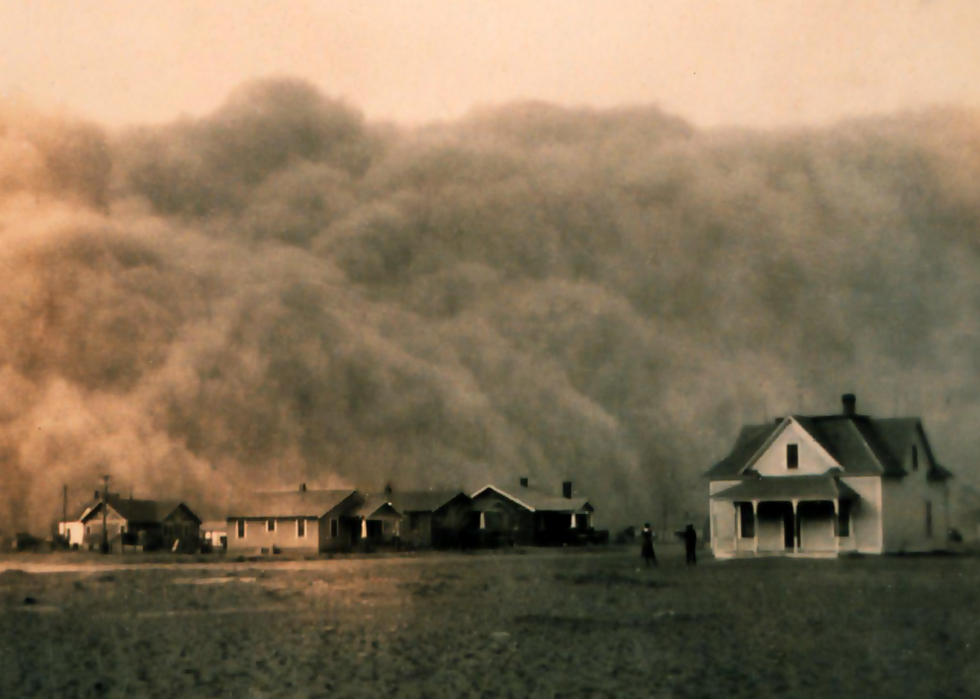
866	516
813	459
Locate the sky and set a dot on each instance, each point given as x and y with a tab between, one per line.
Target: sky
281	279
714	63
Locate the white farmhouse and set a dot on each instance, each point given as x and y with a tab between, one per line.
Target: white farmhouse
822	485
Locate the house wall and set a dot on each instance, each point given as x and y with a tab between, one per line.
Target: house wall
866	516
505	517
348	531
416	530
258	536
904	506
817	526
180	528
74	531
813	459
93	528
722	520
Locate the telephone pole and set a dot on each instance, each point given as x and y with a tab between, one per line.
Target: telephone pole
105	514
63	529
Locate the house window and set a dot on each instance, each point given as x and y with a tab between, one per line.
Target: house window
928	518
748	520
271	524
844	518
333	529
88	530
915	458
792	456
300	528
241	529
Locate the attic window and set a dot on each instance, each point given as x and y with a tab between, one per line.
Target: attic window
915	458
792	456
271	525
300	528
241	529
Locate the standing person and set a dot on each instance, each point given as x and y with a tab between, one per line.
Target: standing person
646	550
691	545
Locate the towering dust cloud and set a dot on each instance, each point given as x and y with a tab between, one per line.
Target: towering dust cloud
282	292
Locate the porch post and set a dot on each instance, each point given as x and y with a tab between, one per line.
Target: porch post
755	526
836	525
796	528
363	527
483	520
738	526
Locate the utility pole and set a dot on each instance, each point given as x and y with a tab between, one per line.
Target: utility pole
105	514
63	529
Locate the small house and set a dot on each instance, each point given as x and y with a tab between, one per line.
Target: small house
821	485
300	520
530	516
377	522
144	524
434	518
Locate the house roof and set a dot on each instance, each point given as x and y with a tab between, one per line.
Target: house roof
537	500
308	503
134	511
803	488
376	507
862	445
424	500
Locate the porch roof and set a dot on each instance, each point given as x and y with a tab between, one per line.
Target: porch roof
803	488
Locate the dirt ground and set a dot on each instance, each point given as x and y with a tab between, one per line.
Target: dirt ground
547	625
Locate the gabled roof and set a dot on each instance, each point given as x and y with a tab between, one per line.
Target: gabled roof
375	507
750	440
133	511
308	503
539	501
862	445
424	500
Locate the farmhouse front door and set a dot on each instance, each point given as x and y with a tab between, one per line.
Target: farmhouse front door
789	531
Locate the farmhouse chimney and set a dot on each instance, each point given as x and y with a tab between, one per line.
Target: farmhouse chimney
302	487
566	490
524	482
850	404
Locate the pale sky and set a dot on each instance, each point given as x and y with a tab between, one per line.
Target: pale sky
741	62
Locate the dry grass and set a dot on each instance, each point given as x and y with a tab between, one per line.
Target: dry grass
586	625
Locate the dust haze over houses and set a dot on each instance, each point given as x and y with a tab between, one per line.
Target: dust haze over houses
282	288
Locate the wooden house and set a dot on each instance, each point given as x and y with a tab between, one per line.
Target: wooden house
144	524
434	518
530	516
822	485
300	520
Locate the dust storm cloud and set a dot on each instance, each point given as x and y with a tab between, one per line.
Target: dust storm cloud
283	292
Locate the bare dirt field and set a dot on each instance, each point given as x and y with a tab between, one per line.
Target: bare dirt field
551	624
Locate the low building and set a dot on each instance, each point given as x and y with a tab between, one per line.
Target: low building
214	536
822	485
434	518
141	524
300	520
375	522
529	516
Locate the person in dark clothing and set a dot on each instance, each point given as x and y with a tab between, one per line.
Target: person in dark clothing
646	550
691	545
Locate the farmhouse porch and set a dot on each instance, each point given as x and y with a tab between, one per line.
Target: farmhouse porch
783	516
